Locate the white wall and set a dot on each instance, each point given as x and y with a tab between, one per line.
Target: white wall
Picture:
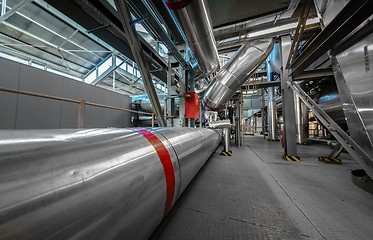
27	112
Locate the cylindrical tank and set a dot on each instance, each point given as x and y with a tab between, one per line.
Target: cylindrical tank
95	183
330	102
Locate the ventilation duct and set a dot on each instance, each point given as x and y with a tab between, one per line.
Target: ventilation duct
194	19
236	72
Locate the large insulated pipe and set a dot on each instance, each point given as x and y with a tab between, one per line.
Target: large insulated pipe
194	18
95	183
272	110
235	73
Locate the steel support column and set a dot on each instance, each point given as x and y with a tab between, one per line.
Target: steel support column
134	42
288	108
350	17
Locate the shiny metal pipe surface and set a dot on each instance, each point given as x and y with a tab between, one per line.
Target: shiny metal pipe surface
235	73
194	18
227	139
220	124
95	183
272	110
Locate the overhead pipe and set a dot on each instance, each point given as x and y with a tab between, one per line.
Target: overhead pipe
95	183
195	21
234	73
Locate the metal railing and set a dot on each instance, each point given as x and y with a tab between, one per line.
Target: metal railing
82	103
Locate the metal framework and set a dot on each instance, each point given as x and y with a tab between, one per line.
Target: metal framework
139	56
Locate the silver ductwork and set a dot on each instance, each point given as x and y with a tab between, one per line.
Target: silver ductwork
272	60
275	59
95	183
240	67
195	21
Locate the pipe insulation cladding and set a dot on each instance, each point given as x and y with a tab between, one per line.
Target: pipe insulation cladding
95	183
195	21
235	72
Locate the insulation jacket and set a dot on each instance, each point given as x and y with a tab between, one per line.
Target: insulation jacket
235	72
194	18
95	183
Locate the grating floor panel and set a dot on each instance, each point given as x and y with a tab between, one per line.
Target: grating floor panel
256	195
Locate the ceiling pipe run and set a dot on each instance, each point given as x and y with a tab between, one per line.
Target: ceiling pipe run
195	21
236	72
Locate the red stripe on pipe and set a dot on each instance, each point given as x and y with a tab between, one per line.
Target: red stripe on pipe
166	161
211	108
178	5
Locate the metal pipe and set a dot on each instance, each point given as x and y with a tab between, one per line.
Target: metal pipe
195	21
235	73
95	183
227	139
301	120
69	100
220	124
272	110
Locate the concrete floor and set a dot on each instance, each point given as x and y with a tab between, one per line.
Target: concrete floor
255	194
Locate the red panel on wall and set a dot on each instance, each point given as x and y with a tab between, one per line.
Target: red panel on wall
192	105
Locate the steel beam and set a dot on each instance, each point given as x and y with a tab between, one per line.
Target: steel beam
299	31
350	17
14	9
134	42
163	35
314	74
288	107
254	86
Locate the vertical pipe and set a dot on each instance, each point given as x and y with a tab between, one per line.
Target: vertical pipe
81	113
301	119
272	111
264	122
200	115
227	138
152	119
290	141
170	102
3	7
183	84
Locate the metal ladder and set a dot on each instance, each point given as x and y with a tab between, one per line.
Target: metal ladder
341	136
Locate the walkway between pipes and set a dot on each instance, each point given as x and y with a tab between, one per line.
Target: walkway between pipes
257	195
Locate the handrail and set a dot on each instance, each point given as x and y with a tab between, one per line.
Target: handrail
81	102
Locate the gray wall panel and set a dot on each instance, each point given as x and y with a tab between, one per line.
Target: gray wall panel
27	112
75	90
33	112
120	117
8	101
100	117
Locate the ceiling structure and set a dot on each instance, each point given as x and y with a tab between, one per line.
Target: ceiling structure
224	13
77	37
